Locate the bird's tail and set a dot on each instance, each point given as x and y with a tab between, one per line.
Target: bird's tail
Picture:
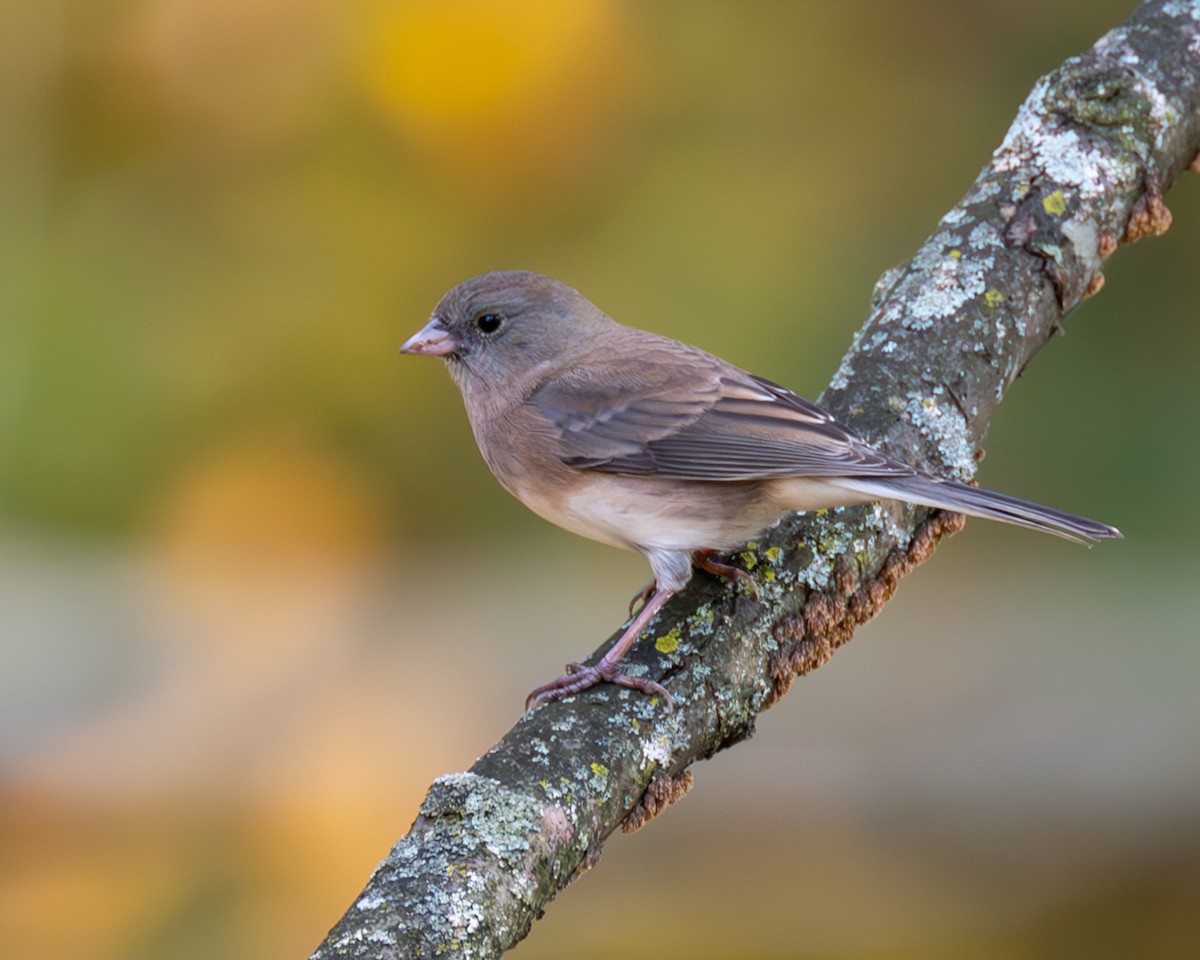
961	498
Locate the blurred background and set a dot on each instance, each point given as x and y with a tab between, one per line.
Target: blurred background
257	589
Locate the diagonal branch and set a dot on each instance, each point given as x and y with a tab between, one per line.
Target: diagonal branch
1082	168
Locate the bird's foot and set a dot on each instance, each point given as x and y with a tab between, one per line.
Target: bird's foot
580	677
704	560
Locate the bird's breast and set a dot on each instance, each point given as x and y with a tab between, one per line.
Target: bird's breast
658	514
632	512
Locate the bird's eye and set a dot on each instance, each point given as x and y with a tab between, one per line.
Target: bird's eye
488	322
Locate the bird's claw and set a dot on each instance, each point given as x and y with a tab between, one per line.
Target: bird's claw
580	677
640	598
704	560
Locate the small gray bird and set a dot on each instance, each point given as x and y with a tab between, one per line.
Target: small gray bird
650	444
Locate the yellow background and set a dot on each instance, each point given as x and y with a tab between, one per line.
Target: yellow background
257	589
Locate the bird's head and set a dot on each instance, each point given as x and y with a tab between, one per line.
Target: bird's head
503	325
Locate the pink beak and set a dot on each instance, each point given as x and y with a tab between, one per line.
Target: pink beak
432	340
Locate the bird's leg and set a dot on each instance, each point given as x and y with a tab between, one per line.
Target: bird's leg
704	560
580	677
639	599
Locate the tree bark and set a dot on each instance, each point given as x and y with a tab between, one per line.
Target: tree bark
1082	168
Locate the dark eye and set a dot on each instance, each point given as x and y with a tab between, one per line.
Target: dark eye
488	322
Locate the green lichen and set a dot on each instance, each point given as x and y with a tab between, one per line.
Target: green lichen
668	642
993	298
1054	204
1106	101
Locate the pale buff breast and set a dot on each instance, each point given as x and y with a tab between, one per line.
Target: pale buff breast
663	514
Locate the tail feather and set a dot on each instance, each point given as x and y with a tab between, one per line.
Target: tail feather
961	498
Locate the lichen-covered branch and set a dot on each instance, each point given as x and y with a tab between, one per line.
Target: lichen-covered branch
1083	168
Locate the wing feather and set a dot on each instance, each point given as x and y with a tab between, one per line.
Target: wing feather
701	419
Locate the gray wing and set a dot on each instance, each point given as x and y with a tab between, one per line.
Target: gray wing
697	419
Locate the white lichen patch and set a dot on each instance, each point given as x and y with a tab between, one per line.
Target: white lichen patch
371	901
1116	37
837	538
1085	240
884	284
701	671
939	420
465	917
560	792
841	377
471	852
1039	137
539	751
656	751
949	284
1067	158
985	189
1162	113
983	236
700	623
1181	8
599	776
1013	149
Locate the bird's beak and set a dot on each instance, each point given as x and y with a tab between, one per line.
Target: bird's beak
432	340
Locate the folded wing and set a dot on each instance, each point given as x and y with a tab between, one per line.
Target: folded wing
702	419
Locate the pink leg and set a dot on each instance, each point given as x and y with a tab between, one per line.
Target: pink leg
579	677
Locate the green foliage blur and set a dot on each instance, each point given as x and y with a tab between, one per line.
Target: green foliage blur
221	218
257	588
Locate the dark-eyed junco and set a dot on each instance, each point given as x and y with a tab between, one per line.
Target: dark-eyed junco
653	445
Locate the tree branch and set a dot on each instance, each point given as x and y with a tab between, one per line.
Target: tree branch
1082	168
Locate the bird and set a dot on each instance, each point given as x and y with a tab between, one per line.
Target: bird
647	443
